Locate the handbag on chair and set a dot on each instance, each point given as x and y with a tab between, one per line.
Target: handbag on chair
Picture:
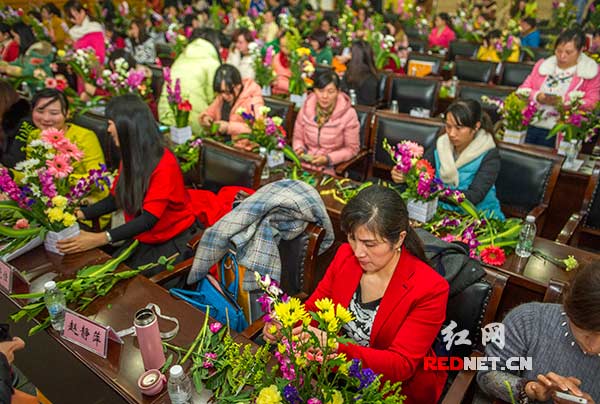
221	298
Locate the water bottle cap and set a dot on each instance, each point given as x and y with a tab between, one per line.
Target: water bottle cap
176	371
50	285
530	219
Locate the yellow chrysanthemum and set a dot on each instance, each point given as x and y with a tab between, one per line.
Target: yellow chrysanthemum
61	53
69	219
269	395
336	398
55	214
333	326
327	316
59	201
343	369
324	304
290	312
303	52
343	314
273	329
281	348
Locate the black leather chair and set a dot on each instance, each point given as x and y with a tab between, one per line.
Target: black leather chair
413	92
462	48
395	128
157	80
356	168
526	181
437	60
539	53
99	125
220	165
283	109
417	44
587	220
474	91
474	70
514	74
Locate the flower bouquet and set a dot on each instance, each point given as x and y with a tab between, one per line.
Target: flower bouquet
422	187
302	66
309	370
262	67
267	132
383	49
517	113
347	26
180	108
124	79
564	14
43	192
83	62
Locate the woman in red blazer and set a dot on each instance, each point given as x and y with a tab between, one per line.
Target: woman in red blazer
398	301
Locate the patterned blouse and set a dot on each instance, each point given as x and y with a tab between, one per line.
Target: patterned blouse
359	329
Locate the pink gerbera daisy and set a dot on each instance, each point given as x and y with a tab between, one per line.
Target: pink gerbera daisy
59	167
69	149
416	150
53	136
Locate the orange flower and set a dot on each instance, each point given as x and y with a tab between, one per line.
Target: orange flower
424	165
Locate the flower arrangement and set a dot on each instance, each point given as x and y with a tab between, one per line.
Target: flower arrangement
506	46
564	14
415	16
267	131
421	183
180	107
488	238
43	190
262	66
124	79
83	62
302	64
308	369
383	49
246	22
347	27
574	122
516	110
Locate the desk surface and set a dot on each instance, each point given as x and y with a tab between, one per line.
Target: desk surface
121	369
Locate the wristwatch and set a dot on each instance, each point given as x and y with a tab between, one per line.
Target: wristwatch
108	237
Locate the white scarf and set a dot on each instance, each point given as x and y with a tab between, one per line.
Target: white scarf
481	143
86	27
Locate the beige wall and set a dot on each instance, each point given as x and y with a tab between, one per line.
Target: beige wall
544	6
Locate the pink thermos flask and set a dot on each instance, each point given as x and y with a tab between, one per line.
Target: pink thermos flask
148	335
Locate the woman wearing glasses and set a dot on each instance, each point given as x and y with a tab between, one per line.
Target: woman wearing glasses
466	157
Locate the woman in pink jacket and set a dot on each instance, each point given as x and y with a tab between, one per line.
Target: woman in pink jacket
233	94
554	79
281	67
442	34
85	33
326	128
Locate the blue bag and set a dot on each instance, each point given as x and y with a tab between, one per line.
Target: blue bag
221	299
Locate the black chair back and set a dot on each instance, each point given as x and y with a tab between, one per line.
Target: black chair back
523	178
472	91
283	109
382	85
474	70
437	61
417	45
462	48
396	128
514	74
99	125
222	165
592	219
540	53
414	92
364	117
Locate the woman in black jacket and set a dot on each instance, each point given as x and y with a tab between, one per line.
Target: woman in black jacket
361	74
13	111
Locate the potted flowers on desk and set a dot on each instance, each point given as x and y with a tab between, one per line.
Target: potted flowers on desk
517	113
180	107
42	189
422	187
262	67
302	66
267	132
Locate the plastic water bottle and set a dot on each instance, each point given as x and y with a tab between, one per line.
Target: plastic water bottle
353	97
526	237
179	386
453	87
394	107
55	303
265	172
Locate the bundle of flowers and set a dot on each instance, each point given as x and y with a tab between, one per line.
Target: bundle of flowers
302	64
421	182
309	370
262	66
516	110
180	107
83	62
564	14
17	227
176	38
43	190
124	79
574	122
383	49
507	45
464	24
415	16
246	22
267	131
347	26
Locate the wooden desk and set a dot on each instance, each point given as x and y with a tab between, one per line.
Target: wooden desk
67	373
529	277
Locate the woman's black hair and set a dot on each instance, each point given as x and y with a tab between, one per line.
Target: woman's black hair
73	5
574	35
35	14
362	64
245	32
4	28
468	112
531	21
231	77
582	300
383	212
26	36
51	9
52	95
321	37
446	18
143	33
493	34
326	77
141	145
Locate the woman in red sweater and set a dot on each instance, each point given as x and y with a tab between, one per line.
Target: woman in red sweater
398	301
149	188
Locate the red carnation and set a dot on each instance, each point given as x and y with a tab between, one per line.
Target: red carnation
184	106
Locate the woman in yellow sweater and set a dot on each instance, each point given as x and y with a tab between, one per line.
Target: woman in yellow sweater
492	44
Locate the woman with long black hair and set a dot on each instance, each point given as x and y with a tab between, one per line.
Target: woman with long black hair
149	188
361	73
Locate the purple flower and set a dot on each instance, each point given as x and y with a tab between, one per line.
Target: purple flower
215	327
196	143
290	393
576	119
314	401
509	42
247	116
366	376
265	302
135	78
529	113
47	182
